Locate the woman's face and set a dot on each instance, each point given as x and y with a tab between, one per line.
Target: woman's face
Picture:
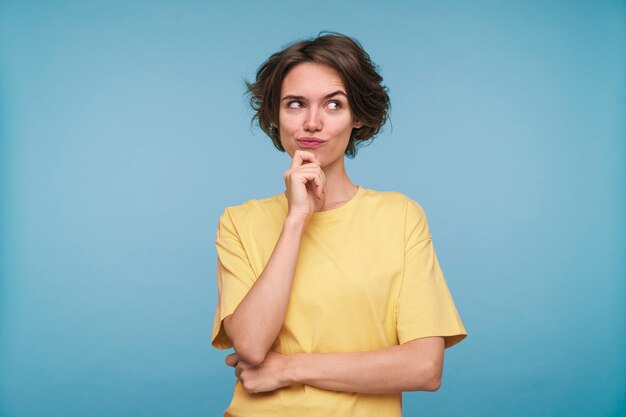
314	105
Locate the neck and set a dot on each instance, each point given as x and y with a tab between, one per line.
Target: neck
339	187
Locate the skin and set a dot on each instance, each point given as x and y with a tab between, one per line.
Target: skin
306	111
316	181
416	365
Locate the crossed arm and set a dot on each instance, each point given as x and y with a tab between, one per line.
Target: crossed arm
413	366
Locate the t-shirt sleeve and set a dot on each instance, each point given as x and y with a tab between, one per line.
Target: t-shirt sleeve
425	306
235	276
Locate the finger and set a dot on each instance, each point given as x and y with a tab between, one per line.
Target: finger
315	178
232	359
309	172
320	187
320	183
314	164
308	167
300	156
306	171
318	174
323	182
241	366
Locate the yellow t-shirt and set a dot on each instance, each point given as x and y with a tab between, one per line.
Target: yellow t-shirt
367	278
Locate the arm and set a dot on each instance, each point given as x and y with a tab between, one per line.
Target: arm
255	323
416	365
413	366
258	318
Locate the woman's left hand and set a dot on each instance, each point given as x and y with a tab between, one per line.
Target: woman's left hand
268	376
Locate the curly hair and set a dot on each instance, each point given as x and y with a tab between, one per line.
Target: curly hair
367	96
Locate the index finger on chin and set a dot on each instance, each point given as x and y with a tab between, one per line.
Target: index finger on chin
300	156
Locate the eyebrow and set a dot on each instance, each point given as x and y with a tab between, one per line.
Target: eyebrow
327	96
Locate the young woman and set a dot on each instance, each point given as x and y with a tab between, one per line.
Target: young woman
330	293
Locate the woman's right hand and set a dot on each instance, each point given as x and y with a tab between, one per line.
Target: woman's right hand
306	185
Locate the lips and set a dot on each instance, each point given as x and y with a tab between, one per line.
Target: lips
310	142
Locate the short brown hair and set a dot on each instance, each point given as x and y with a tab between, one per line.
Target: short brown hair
367	97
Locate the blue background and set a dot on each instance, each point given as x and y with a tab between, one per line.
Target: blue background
125	132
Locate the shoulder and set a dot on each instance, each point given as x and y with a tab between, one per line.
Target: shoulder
394	200
399	208
253	209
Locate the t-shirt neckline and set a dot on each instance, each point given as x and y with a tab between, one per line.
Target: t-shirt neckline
335	213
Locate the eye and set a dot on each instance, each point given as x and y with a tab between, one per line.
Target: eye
334	105
295	104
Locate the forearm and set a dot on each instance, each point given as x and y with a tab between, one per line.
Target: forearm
258	318
388	370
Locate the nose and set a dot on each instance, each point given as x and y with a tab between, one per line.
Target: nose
313	120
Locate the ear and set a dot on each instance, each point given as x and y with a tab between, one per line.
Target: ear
357	124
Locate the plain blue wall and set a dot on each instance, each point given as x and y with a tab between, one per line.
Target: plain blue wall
125	132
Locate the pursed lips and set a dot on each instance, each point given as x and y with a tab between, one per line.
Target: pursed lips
310	143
